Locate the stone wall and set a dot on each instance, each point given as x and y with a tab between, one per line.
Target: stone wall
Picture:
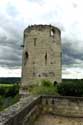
41	54
28	109
22	113
63	106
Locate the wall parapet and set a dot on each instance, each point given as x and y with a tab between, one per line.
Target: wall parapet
21	112
28	109
40	27
66	106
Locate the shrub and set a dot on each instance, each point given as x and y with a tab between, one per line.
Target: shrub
43	90
46	83
12	91
46	87
70	89
9	90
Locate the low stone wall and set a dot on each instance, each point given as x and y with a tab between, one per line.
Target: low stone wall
22	113
63	106
28	109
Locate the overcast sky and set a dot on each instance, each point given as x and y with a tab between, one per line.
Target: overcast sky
16	15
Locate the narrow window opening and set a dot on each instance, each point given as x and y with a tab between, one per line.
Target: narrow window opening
26	57
55	82
35	39
39	75
52	32
26	54
46	58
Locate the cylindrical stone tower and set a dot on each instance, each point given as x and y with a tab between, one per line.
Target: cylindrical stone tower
41	54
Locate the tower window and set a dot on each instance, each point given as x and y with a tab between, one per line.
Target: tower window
46	58
35	39
26	57
26	54
52	32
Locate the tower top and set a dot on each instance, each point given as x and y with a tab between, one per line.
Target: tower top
40	27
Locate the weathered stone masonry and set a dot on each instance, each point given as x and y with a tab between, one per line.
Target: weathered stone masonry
41	54
28	109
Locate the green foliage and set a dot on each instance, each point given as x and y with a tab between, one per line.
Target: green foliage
70	89
46	87
12	91
46	83
10	80
9	89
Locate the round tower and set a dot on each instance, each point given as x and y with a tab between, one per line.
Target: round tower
41	54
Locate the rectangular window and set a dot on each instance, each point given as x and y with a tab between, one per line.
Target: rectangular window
35	39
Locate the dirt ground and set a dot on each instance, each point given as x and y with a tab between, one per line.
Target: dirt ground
48	119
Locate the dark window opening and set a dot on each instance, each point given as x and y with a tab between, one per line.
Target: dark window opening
52	32
26	57
39	75
46	58
55	82
35	39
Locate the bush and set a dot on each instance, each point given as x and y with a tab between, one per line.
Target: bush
46	83
12	91
46	87
9	90
43	90
70	89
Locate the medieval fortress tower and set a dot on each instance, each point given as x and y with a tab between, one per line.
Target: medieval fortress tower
41	54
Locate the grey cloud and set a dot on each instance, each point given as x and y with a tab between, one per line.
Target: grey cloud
10	51
10	57
10	63
69	54
11	39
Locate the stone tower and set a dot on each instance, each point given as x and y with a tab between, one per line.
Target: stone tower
41	54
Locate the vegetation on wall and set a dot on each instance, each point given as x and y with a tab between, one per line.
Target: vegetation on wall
66	88
46	87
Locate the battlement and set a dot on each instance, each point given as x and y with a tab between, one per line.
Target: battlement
41	27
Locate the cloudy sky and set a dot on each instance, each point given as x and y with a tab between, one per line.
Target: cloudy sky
16	15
